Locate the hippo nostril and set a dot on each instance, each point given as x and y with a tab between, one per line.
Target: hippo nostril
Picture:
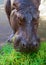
35	44
23	45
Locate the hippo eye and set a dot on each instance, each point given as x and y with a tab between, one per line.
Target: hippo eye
22	21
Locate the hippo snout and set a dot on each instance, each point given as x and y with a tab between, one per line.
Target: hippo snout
23	44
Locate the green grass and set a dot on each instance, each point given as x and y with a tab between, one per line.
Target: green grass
8	56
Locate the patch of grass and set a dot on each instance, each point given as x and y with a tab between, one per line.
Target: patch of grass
9	56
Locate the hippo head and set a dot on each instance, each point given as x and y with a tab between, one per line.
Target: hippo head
25	27
23	18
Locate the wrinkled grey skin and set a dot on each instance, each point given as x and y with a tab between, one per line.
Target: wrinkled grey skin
23	17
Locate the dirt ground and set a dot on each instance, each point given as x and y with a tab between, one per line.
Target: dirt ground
5	29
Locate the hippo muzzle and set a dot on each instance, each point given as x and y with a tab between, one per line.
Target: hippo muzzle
25	42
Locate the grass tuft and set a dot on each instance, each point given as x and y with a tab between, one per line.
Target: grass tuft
9	56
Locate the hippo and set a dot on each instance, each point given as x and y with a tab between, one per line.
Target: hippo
23	18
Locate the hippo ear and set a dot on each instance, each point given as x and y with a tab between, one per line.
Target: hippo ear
36	3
